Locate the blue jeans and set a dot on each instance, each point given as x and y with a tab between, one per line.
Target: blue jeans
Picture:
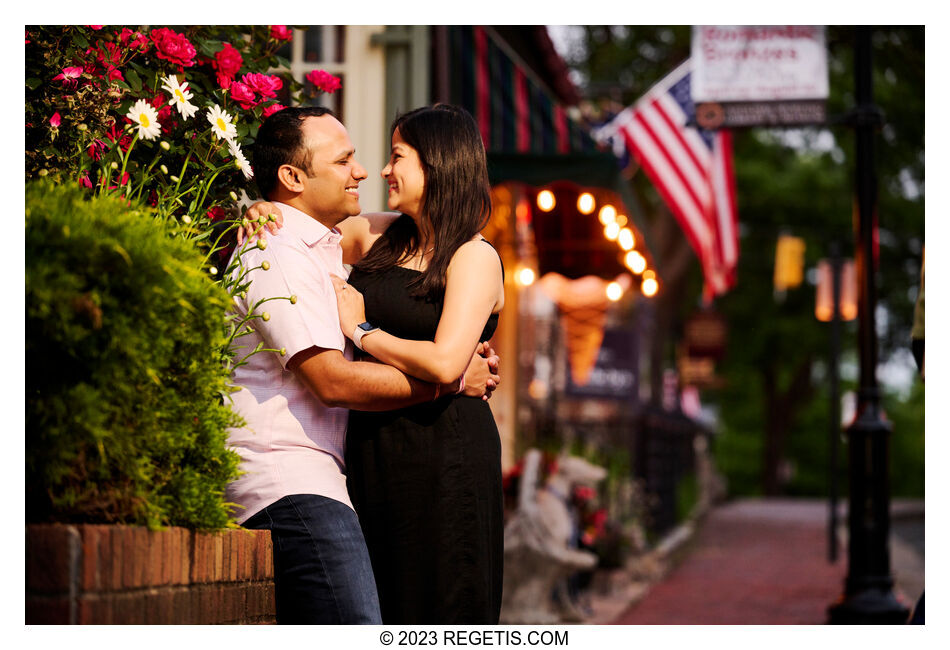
322	571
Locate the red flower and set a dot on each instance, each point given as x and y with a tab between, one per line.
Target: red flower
227	62
55	121
243	95
174	47
95	149
281	32
133	40
273	108
324	81
95	26
216	213
84	180
265	84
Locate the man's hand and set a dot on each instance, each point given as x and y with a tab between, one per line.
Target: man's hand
481	377
259	216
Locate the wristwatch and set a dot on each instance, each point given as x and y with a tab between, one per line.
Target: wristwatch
362	330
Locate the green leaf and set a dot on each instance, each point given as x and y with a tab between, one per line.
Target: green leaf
33	83
80	40
135	81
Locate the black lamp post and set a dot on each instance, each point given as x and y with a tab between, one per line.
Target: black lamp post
868	595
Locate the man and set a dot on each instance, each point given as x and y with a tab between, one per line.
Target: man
295	394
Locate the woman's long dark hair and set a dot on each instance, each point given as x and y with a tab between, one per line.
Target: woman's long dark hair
456	202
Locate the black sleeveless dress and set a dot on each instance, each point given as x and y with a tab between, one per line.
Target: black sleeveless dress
426	483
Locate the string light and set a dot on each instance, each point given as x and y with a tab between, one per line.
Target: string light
546	200
611	231
635	261
525	277
607	214
626	239
614	291
586	203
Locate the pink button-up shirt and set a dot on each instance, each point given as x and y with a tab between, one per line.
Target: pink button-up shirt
292	443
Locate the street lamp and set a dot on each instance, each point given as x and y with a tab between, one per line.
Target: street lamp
868	594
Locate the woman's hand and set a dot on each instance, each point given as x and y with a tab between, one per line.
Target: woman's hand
259	216
481	376
349	303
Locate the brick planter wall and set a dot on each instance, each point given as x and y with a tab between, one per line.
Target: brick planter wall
104	574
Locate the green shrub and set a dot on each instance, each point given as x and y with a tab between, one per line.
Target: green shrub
125	350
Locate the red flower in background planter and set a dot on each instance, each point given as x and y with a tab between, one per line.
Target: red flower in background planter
174	47
324	81
273	108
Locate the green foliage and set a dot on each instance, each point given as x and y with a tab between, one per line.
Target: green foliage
125	419
907	442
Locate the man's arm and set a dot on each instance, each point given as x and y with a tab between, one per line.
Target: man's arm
359	385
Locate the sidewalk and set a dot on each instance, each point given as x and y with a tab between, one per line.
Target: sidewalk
764	562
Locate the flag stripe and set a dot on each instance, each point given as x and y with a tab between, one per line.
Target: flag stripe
691	170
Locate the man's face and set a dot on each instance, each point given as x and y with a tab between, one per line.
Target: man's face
331	183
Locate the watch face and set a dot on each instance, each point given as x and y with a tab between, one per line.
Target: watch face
366	327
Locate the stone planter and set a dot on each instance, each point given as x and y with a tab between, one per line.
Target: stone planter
111	574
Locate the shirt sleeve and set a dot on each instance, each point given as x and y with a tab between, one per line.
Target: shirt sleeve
299	300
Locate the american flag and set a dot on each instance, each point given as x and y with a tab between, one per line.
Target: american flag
691	169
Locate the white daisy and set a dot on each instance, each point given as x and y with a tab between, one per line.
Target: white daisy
180	96
145	118
239	160
222	124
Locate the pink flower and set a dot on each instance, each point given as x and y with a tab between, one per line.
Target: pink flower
227	62
174	47
281	32
95	26
84	180
265	84
69	76
55	121
324	81
243	95
273	108
95	149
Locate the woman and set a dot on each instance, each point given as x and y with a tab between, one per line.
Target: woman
426	480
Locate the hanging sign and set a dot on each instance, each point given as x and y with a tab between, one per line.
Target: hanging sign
772	75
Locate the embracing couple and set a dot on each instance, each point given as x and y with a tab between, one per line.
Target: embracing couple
377	471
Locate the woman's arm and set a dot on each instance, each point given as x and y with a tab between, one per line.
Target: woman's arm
474	290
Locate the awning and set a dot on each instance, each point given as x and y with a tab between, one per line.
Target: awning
528	135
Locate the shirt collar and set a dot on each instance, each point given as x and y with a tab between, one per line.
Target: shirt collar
308	229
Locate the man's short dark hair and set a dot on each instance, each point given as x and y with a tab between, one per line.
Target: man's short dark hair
280	142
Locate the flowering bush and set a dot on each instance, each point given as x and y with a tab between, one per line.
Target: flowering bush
158	118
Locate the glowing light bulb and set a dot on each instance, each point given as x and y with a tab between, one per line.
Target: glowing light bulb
607	214
626	239
586	203
649	287
611	231
526	277
614	291
546	200
635	261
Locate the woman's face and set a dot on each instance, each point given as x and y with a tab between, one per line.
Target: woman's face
404	175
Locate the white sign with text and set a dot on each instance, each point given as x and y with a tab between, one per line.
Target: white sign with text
736	63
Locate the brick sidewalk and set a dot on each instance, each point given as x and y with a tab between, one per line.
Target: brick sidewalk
753	562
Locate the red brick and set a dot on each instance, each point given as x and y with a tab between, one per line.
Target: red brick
105	558
51	550
168	550
197	562
95	609
158	607
89	568
48	610
140	536
129	608
155	542
234	541
129	565
115	559
218	542
184	557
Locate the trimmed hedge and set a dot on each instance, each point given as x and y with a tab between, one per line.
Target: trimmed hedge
125	349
